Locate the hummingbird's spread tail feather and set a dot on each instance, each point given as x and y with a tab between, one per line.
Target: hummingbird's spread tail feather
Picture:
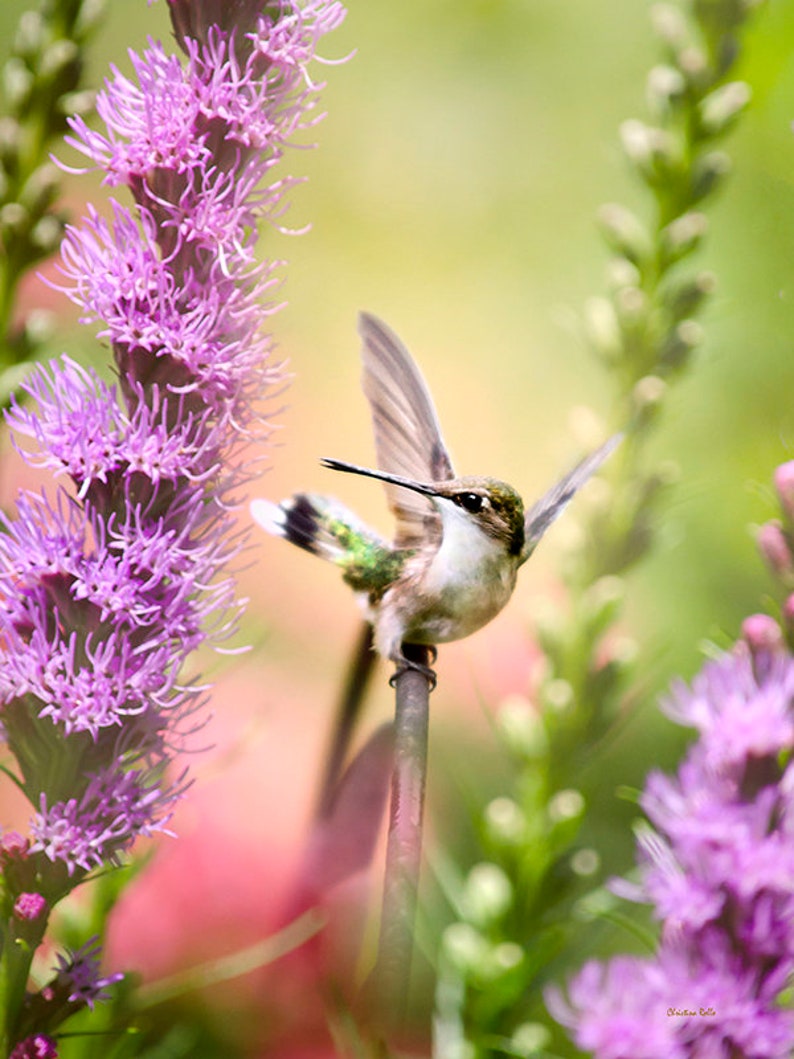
306	521
328	529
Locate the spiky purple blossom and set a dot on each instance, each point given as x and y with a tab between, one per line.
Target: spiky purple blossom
37	1046
106	588
719	871
111	580
77	978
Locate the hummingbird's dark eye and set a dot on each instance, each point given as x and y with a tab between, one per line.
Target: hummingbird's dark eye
470	502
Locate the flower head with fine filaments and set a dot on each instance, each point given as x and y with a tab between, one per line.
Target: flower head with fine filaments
111	579
719	871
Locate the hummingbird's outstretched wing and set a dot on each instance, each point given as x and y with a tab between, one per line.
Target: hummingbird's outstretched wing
408	438
544	511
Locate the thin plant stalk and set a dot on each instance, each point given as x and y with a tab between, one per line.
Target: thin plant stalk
362	664
404	848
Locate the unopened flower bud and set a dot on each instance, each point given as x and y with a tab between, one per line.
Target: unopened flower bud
81	102
720	108
18	83
593	906
625	233
521	727
762	633
665	89
564	814
621	273
602	602
566	805
36	1046
57	57
681	236
649	148
91	11
686	297
40	189
464	947
505	821
506	957
694	64
764	638
647	397
30	34
13	846
708	172
669	23
29	907
10	138
550	626
46	234
13	218
680	343
775	549
585	862
602	328
632	307
617	661
784	484
487	894
558	695
39	326
530	1039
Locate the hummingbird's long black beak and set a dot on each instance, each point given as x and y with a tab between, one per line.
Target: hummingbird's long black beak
383	476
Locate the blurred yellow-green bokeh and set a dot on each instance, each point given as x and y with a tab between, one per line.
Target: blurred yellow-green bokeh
463	154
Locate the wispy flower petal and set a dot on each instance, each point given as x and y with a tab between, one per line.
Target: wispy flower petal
719	871
109	583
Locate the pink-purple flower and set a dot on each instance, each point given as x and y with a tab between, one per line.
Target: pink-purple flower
718	868
113	577
36	1046
29	906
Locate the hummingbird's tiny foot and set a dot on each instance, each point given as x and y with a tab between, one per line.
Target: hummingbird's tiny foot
407	663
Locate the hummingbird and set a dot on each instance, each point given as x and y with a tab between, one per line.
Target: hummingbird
458	542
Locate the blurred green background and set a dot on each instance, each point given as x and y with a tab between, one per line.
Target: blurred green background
464	153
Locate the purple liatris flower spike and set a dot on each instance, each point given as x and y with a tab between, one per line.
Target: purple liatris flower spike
719	871
109	582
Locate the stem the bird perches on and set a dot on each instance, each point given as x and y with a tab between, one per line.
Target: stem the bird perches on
404	849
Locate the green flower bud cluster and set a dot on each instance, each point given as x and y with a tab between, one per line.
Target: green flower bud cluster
41	86
645	325
645	331
539	831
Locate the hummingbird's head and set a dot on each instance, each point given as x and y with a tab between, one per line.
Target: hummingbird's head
493	506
